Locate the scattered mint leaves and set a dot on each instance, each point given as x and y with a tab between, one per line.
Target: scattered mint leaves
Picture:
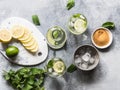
70	4
109	25
71	68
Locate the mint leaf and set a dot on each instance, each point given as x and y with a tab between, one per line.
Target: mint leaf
70	4
71	68
76	15
27	87
35	19
56	34
109	25
50	64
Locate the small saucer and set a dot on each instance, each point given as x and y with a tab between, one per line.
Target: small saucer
110	37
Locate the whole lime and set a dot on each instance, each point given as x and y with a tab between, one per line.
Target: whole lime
12	51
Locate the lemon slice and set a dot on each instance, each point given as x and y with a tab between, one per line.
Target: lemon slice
17	31
80	25
30	43
26	35
33	48
28	40
5	36
59	66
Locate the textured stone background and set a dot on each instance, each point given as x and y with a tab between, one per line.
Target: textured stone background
53	12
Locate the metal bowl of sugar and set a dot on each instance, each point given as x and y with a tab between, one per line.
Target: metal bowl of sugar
86	57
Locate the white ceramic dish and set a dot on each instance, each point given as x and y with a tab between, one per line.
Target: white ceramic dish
24	57
110	36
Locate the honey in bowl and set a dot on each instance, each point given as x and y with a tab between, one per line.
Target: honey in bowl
101	37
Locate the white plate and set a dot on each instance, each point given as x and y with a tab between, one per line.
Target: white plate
24	57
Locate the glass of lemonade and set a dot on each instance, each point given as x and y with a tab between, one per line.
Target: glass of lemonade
56	37
77	24
56	67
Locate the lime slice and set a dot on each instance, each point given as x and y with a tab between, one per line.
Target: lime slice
80	25
59	66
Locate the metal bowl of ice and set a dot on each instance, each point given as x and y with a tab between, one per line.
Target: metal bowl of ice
86	57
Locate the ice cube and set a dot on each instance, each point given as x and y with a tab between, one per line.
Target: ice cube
50	70
78	60
76	56
73	20
71	24
92	60
84	65
86	57
54	73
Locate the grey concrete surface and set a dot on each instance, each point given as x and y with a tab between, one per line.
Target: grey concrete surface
53	12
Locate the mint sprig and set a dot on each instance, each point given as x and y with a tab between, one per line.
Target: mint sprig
26	78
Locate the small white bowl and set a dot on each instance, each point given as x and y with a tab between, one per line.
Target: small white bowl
110	36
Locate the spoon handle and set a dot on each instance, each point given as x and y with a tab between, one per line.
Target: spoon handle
2	52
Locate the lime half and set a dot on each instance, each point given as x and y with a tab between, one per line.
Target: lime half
59	67
12	51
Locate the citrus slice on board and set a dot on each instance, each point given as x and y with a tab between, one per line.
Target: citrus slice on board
28	40
30	43
32	47
35	49
5	36
17	31
26	35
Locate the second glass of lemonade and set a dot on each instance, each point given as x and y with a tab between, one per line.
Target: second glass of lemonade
77	24
56	37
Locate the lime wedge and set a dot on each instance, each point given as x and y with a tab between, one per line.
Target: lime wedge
59	66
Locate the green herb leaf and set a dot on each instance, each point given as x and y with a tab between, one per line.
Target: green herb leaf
50	64
71	68
7	76
56	34
76	15
70	4
42	88
27	87
35	19
109	25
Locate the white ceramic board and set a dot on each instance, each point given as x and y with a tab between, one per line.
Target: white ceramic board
24	57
